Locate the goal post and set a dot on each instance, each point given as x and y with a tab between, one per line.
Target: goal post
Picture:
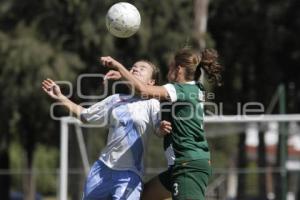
64	141
261	123
252	118
65	134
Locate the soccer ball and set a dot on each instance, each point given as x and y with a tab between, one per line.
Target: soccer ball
123	20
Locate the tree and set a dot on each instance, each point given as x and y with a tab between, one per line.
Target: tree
61	39
257	40
25	62
201	17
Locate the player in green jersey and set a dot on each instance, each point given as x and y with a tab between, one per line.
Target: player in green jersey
189	171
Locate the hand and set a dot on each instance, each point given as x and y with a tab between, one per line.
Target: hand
52	89
112	75
165	127
110	62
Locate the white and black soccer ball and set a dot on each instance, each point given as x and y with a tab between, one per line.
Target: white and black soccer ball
123	20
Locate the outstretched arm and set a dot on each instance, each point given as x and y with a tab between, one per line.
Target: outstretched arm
53	90
143	89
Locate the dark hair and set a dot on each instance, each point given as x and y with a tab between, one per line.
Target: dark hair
193	62
209	63
155	71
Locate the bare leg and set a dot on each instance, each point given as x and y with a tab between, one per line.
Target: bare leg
153	189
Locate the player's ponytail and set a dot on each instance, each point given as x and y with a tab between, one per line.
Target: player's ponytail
210	65
193	62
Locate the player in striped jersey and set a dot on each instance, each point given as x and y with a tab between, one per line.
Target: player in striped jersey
130	120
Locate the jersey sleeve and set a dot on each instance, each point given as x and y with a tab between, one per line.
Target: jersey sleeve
176	92
97	113
171	91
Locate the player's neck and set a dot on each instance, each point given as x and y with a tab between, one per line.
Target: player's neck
181	79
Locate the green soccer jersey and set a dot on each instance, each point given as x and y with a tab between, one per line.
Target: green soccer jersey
187	111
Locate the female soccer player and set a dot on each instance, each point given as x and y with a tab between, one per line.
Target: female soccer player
188	177
130	120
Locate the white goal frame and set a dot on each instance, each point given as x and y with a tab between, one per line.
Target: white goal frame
64	137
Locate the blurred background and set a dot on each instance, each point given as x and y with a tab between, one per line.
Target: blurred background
258	42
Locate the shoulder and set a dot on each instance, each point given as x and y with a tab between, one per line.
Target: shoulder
151	105
153	101
114	96
150	102
111	98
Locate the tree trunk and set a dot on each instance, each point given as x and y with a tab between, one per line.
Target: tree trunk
4	165
29	185
201	15
29	176
4	160
28	143
242	163
298	192
262	165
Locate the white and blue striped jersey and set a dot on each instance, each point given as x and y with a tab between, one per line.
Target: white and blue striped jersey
130	121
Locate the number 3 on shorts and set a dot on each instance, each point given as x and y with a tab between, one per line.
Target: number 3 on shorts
175	191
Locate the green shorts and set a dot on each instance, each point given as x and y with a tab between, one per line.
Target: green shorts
187	180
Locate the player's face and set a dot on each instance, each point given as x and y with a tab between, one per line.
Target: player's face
143	71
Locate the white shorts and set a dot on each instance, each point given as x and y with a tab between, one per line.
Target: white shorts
104	183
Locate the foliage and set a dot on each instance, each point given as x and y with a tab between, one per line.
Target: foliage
60	39
46	161
25	62
16	164
257	40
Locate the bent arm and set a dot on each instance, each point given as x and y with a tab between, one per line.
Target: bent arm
139	87
149	91
53	90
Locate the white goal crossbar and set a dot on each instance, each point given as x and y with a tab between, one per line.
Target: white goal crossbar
64	137
252	118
